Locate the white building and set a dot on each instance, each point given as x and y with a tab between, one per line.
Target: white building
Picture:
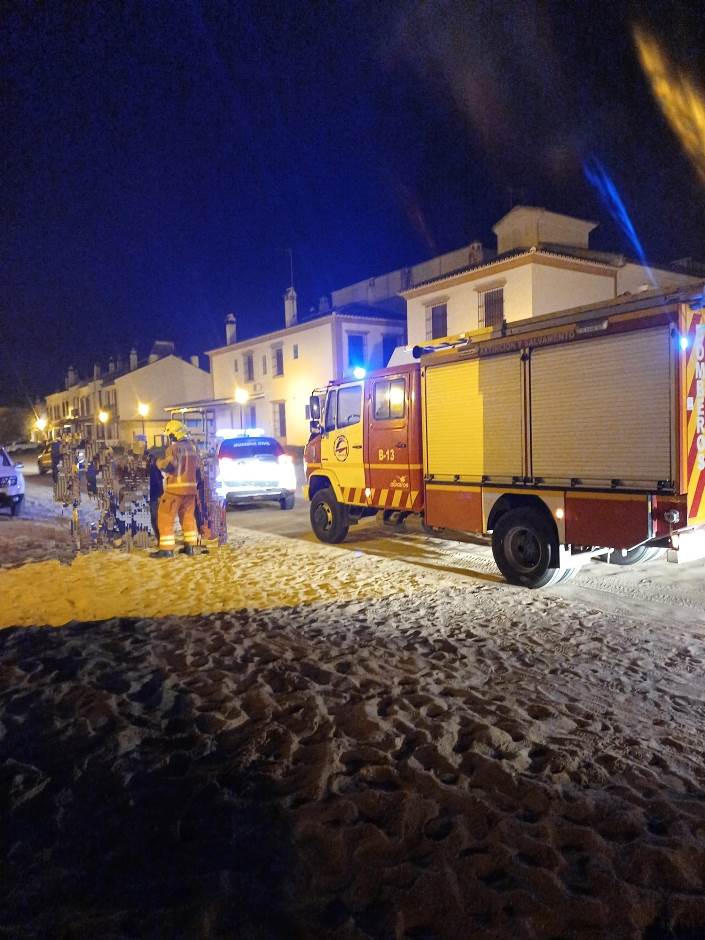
131	398
543	263
266	381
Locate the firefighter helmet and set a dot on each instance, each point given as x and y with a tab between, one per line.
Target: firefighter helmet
175	429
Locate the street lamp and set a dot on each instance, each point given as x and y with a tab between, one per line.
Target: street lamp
242	397
40	424
143	411
103	417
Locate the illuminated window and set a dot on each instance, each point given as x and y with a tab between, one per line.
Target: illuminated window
249	367
252	416
356	350
389	399
490	310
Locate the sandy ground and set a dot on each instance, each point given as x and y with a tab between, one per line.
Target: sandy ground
284	739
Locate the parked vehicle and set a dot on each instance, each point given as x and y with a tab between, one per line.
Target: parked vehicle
44	459
11	483
567	437
254	468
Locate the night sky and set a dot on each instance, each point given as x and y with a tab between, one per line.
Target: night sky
157	159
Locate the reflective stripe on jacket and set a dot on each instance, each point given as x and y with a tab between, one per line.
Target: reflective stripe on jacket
180	463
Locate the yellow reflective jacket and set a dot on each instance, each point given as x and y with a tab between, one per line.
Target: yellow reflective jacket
180	463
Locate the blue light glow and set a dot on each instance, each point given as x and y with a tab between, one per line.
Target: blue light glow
359	372
683	343
597	176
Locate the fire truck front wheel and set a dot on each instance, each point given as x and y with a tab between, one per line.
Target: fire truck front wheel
329	518
522	543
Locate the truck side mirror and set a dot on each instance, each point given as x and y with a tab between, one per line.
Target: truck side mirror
315	407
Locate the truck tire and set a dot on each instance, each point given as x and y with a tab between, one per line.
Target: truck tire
16	508
329	518
286	502
521	544
634	556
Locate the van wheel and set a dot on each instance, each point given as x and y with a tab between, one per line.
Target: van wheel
16	508
286	502
329	518
633	556
521	544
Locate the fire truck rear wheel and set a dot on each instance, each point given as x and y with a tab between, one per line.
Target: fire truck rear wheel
522	542
329	518
633	556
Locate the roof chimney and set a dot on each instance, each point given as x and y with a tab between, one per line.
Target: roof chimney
324	304
230	329
133	358
71	376
290	317
111	364
195	362
96	371
476	253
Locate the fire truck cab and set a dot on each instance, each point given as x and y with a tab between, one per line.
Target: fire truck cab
567	437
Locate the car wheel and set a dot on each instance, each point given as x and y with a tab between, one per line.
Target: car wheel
287	502
329	518
522	541
16	508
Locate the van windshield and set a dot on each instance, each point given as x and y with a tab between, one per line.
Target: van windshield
245	448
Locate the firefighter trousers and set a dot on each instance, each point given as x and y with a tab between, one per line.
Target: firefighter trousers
171	505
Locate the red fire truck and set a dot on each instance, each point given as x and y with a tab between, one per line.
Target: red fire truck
566	436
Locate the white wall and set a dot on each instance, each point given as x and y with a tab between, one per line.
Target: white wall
373	333
634	277
530	289
314	367
561	288
167	381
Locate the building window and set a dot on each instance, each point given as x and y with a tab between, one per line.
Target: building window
249	367
296	350
236	367
252	416
356	350
389	399
490	307
279	409
389	344
278	361
264	365
437	325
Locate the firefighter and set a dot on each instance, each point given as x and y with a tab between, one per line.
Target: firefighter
179	463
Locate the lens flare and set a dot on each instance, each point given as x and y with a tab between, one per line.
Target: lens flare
680	99
597	176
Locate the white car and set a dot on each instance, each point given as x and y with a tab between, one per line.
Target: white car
11	483
253	468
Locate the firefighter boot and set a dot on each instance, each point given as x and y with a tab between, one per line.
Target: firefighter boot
187	550
161	554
